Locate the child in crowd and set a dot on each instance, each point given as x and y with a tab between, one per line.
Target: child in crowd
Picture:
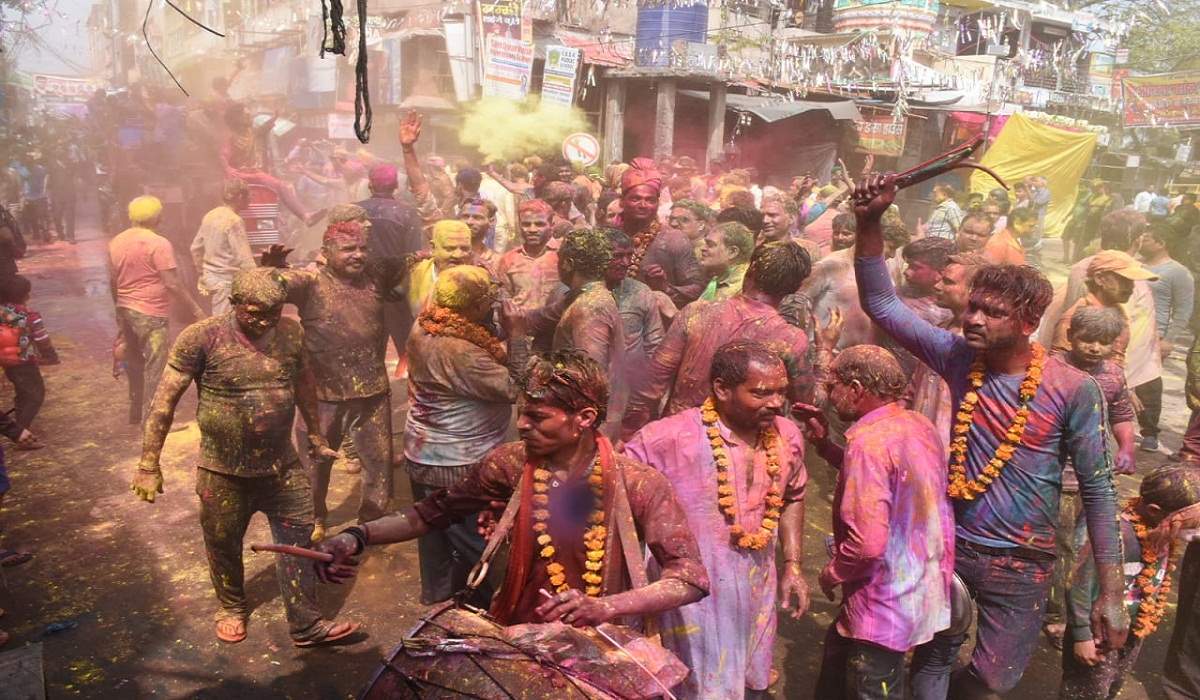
1169	501
1092	334
24	346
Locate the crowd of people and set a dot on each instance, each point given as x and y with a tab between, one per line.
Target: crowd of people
669	346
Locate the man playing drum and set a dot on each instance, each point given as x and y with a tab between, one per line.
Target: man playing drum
580	507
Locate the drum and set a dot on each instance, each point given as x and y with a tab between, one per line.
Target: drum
962	609
460	653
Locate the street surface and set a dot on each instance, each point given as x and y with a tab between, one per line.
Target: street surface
133	575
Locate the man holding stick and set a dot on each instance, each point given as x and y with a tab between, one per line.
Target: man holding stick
1020	415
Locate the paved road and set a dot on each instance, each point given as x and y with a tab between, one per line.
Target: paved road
133	575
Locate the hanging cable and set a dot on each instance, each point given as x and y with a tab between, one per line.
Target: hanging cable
362	95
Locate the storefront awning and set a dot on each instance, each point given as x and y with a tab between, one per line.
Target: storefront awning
772	109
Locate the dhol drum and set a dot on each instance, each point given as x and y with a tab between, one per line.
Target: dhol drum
962	609
461	653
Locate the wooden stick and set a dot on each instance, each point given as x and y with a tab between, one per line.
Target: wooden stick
293	550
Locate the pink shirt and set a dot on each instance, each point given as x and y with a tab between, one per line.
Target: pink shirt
893	530
137	256
728	638
528	280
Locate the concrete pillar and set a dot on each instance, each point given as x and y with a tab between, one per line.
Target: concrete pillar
716	120
614	121
664	118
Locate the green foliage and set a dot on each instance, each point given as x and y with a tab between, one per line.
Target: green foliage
1158	42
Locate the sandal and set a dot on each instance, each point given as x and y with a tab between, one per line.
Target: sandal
327	631
12	557
231	628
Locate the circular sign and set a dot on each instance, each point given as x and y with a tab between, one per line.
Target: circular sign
581	148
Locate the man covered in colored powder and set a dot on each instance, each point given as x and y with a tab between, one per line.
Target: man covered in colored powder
250	368
144	280
591	321
460	396
451	245
341	310
1020	414
737	466
679	369
578	503
529	272
663	258
893	527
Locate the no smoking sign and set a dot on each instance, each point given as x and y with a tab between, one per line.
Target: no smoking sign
581	148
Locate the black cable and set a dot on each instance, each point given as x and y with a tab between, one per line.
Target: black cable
336	27
153	53
193	20
362	93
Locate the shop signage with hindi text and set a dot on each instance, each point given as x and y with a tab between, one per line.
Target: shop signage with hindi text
880	135
558	79
1167	99
509	67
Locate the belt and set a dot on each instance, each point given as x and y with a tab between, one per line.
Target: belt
1023	553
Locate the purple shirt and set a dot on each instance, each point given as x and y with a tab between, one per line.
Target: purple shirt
1067	419
726	639
893	530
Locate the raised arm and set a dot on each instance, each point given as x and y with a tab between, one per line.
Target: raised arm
930	344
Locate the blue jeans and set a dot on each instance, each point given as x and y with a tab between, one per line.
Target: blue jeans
857	670
1010	595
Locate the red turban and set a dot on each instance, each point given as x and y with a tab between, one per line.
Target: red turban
641	172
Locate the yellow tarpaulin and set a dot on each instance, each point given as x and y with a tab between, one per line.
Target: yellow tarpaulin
1026	147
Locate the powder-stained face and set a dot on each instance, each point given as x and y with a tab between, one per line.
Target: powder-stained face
921	276
640	203
686	221
842	238
546	429
1087	353
475	216
622	258
753	404
775	223
256	319
346	255
990	322
535	229
715	256
450	249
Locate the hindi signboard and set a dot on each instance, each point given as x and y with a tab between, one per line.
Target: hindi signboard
65	88
880	135
501	18
509	66
558	78
1166	99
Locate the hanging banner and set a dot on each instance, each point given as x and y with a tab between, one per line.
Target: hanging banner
558	79
500	18
61	87
509	67
1167	99
880	135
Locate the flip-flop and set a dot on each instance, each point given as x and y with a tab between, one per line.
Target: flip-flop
235	629
12	557
333	632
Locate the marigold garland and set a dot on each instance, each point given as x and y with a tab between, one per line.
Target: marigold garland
1154	599
726	492
968	489
438	320
641	244
593	538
